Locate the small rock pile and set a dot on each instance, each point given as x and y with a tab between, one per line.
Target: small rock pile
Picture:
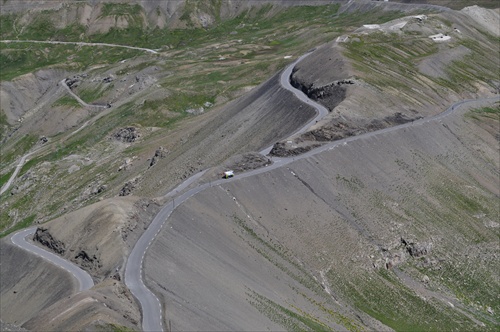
127	135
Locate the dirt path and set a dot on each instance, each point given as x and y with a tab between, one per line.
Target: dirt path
150	304
23	158
16	171
78	99
80	44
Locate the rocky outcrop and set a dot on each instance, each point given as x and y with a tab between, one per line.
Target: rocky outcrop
43	236
127	188
127	135
10	327
87	260
329	95
416	249
337	129
281	150
160	153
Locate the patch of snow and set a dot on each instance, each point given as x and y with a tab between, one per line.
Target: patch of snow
420	17
440	37
372	26
398	26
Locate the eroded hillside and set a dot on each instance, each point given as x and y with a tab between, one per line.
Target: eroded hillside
401	228
396	231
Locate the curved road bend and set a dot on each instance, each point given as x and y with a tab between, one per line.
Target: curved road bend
23	158
78	99
150	304
321	110
151	307
84	279
80	44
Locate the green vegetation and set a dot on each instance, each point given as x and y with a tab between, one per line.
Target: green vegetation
474	67
375	294
66	101
381	56
290	320
7	23
178	102
121	9
150	114
486	113
26	222
90	95
278	28
5	177
113	328
488	110
21	147
20	58
353	183
4	124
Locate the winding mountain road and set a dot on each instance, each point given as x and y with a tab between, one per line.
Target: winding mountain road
79	44
152	317
19	239
321	111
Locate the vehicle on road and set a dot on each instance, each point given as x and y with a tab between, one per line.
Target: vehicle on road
228	174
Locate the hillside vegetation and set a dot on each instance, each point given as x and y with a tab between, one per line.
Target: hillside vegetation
171	98
393	232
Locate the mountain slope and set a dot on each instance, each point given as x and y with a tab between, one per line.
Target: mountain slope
401	227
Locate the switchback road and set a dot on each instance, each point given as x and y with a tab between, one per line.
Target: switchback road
152	319
151	307
84	279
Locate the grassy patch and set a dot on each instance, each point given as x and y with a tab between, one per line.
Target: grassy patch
376	51
29	164
20	58
113	328
90	95
66	101
120	9
7	26
485	112
478	66
488	110
21	147
289	319
4	124
382	296
5	177
26	222
473	285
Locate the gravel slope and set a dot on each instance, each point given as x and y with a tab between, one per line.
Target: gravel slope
332	213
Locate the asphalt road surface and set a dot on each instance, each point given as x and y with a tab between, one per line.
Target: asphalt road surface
152	318
19	239
321	111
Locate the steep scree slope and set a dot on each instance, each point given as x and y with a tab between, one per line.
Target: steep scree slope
400	228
